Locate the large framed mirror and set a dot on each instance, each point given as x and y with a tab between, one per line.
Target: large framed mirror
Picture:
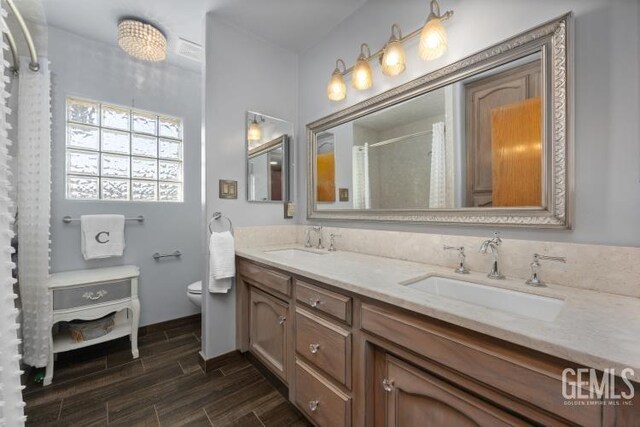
484	141
268	158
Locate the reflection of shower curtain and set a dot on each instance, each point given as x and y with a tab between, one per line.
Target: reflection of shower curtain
34	208
438	191
11	405
360	173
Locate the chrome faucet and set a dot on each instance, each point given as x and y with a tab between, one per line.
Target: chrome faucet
535	280
316	229
332	243
494	246
462	268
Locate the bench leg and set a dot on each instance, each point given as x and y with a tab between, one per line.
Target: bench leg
135	322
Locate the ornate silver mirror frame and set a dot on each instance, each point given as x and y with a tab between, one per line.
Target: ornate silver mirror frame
552	39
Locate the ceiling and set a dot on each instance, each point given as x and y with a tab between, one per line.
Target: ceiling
294	25
424	106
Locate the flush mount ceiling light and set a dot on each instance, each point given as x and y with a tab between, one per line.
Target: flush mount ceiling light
362	75
433	37
432	45
141	40
392	59
337	89
254	134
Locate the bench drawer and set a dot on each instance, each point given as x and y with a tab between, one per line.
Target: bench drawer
96	293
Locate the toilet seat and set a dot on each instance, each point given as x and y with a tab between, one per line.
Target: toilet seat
195	288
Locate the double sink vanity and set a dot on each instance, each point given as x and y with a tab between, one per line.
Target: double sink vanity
372	339
368	340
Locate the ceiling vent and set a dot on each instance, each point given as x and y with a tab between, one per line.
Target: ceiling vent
189	49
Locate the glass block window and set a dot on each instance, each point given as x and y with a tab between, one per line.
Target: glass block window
120	153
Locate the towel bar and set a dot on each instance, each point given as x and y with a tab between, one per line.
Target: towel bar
158	256
68	219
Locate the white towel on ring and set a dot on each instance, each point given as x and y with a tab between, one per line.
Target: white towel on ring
222	263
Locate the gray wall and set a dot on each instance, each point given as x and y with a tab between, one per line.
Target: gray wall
85	68
607	97
242	73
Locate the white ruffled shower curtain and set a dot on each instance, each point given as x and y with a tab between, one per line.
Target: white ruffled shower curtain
360	177
11	404
438	183
34	209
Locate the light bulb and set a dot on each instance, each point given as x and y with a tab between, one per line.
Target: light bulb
433	39
254	134
393	62
362	75
336	89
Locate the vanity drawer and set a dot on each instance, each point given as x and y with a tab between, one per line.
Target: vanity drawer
527	375
325	345
328	302
267	278
97	293
321	402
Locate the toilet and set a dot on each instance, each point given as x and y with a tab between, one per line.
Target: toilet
194	293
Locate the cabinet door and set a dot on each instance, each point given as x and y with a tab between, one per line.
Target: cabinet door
415	398
268	331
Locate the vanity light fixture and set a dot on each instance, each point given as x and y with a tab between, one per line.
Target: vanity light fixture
392	58
432	45
362	75
254	134
433	37
337	89
142	40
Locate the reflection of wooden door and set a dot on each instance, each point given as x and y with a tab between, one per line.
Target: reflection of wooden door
482	97
516	150
414	398
326	177
268	331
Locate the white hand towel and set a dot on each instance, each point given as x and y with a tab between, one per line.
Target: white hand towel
222	265
102	236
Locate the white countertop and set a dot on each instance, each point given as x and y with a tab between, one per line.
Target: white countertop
594	329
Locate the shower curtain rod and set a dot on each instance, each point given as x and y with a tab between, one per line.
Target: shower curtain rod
33	65
399	138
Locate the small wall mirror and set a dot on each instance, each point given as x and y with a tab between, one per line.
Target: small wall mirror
479	141
268	153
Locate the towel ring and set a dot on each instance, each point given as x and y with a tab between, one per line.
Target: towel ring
216	216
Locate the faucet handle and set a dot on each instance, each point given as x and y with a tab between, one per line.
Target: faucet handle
462	268
332	246
535	280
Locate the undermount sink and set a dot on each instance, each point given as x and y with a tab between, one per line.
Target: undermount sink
513	302
291	253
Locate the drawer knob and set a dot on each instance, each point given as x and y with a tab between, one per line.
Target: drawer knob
314	302
387	385
313	348
97	296
281	320
313	405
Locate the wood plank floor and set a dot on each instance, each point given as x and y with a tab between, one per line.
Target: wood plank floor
103	385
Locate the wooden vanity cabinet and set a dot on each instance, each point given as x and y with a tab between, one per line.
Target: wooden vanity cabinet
348	360
268	337
413	397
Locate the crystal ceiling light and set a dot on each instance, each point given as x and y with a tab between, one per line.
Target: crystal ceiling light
141	40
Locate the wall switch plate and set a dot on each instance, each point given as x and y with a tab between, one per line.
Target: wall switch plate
228	189
289	210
